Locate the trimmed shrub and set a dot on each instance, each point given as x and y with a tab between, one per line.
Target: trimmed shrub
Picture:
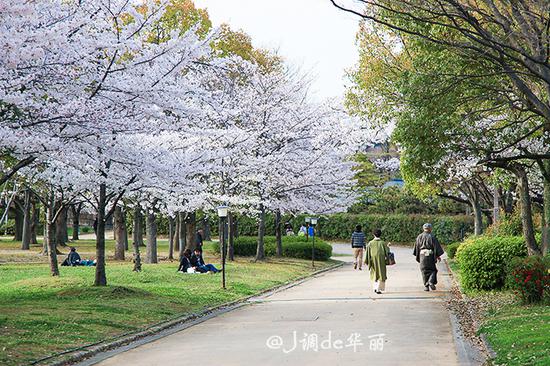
529	278
483	260
293	247
397	228
451	249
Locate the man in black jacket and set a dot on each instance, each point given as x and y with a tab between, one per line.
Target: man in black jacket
198	263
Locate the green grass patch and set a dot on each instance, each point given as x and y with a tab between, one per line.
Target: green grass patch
520	335
41	315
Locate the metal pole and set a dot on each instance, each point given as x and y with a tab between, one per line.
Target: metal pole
223	252
313	249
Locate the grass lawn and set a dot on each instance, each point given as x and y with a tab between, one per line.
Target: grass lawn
41	315
519	334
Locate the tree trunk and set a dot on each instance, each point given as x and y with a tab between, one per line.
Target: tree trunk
61	226
260	251
50	235
278	234
231	237
191	232
27	219
136	242
137	232
171	236
177	233
45	244
75	213
119	224
182	234
35	223
526	211
151	231
100	274
207	230
546	212
19	217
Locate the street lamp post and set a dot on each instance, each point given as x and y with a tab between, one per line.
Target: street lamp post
222	214
313	221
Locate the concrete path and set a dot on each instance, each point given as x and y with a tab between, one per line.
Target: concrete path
335	313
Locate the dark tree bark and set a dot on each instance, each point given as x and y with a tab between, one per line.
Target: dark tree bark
135	241
278	234
27	221
61	233
177	233
526	210
119	222
207	230
50	235
100	273
151	231
19	218
35	223
545	245
260	251
171	236
231	237
182	233
75	213
191	231
137	232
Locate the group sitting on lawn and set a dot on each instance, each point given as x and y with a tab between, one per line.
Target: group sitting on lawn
73	259
194	263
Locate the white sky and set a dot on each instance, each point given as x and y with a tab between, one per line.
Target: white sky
310	34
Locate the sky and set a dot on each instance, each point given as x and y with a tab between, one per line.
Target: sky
310	34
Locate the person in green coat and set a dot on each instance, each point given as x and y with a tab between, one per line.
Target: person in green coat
377	252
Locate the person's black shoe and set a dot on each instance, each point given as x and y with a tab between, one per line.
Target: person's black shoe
378	292
426	288
360	268
432	287
354	265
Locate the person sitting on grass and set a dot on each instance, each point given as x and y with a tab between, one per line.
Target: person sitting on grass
73	259
185	262
198	263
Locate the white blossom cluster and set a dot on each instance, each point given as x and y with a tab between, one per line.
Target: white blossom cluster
89	93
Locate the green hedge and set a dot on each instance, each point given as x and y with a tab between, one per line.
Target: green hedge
293	247
483	260
451	249
397	228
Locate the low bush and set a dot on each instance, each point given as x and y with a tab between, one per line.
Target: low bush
482	260
529	278
397	228
8	228
293	247
451	249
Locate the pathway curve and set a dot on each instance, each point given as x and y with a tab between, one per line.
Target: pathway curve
341	304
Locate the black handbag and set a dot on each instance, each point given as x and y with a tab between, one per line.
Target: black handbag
390	259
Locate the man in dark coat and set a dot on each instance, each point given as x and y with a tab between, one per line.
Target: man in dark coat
73	259
198	263
428	252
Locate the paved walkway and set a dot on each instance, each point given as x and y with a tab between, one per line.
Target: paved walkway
415	325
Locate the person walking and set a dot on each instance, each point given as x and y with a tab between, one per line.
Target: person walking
376	253
428	252
358	246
